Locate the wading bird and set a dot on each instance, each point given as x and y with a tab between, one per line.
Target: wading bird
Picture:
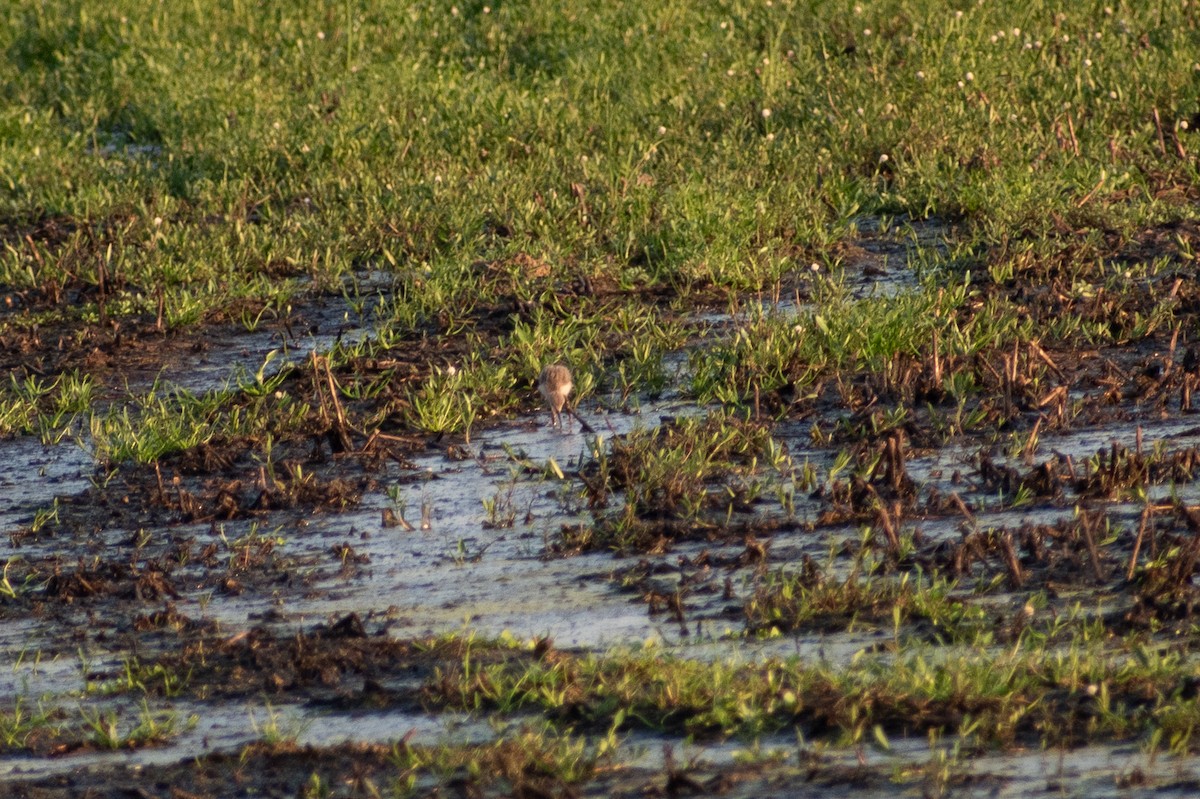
554	383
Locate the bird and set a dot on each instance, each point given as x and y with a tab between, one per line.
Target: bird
555	383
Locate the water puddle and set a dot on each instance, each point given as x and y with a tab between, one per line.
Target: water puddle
881	261
227	727
32	475
473	558
232	354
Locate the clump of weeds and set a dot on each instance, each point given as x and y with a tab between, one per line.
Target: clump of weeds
1028	694
812	600
687	477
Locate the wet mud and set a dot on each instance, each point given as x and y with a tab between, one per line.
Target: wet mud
158	616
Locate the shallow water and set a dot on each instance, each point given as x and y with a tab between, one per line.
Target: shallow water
32	475
453	571
233	355
472	559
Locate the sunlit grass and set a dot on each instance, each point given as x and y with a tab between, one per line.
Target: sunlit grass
1084	690
648	143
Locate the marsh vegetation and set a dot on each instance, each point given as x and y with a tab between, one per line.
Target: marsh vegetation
882	319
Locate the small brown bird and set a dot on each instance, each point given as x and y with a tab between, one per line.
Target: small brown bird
554	383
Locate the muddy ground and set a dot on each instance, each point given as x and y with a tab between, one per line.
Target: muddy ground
319	586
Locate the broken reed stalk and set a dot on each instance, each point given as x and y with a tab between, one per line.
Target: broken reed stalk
889	531
1016	577
1171	352
323	374
1037	350
1086	523
37	256
262	479
162	309
1137	542
1056	396
1074	138
1162	141
937	362
675	604
1069	462
162	491
340	413
102	287
962	508
1088	197
895	460
317	387
1012	369
885	521
1008	381
1031	444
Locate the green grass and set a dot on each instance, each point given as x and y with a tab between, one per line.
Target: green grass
707	144
517	760
686	477
155	424
1081	691
775	349
788	601
226	163
44	406
23	727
